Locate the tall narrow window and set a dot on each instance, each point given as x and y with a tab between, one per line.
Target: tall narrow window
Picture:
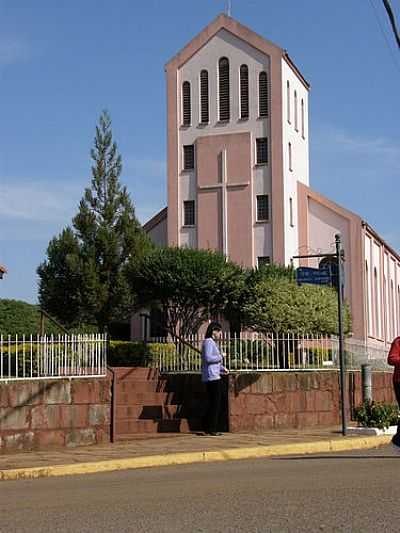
186	104
262	151
288	100
188	157
392	317
296	126
290	156
223	79
263	260
263	94
302	119
244	91
188	213
367	291
204	105
291	218
398	310
262	208
376	305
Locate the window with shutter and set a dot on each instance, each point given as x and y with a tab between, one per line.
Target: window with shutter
188	157
186	104
262	151
288	100
204	105
262	208
188	213
223	78
244	92
263	94
295	112
302	119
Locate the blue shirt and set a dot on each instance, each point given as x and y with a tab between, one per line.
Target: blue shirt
211	361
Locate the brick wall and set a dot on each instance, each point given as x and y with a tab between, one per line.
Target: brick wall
54	413
259	402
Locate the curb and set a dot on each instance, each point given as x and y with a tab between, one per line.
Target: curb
229	454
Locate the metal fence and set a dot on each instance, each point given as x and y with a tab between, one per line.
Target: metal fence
270	352
45	357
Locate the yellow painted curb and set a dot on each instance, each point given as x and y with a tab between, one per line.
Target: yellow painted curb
300	448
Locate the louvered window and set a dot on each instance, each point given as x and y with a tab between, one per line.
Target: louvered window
244	91
263	94
290	156
188	157
263	260
224	111
188	213
204	113
302	119
288	100
262	207
262	150
186	104
296	126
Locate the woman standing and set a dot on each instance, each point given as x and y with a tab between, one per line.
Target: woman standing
211	370
394	360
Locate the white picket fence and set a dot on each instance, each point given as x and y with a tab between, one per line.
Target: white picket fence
270	352
45	357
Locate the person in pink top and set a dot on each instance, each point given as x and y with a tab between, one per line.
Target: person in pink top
394	360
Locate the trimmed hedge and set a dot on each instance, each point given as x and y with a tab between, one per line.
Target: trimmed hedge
126	353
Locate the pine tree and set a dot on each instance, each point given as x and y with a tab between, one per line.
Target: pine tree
108	235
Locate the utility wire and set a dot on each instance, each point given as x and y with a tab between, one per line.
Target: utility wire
395	58
389	11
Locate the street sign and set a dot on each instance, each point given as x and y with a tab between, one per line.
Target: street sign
315	276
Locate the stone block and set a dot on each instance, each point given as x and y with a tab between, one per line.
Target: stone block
306	420
255	404
80	437
323	401
282	421
14	418
58	392
237	405
4	395
102	435
284	382
99	415
262	385
49	439
310	401
241	423
329	418
46	417
74	416
91	391
21	441
263	422
308	381
25	393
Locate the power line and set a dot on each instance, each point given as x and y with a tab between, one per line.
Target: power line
389	11
395	58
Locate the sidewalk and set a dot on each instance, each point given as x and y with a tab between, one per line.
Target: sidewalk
167	449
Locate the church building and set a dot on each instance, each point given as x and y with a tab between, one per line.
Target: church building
238	172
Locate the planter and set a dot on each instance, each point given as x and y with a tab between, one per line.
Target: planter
391	430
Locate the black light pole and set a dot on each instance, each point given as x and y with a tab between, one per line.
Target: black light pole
339	258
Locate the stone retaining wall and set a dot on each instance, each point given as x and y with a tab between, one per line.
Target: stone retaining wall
54	413
283	400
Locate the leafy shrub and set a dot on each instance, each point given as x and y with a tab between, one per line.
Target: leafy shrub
376	414
125	353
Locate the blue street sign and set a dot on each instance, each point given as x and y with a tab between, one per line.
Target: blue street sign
315	276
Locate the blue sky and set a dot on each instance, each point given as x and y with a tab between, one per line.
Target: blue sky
61	63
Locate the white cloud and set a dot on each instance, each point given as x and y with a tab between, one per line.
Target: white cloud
384	151
38	201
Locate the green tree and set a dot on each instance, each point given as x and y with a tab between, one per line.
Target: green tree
189	285
278	304
105	236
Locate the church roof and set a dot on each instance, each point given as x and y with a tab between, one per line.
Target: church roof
242	32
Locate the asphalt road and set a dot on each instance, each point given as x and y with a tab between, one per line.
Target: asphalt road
359	492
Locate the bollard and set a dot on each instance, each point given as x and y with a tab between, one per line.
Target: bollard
366	382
